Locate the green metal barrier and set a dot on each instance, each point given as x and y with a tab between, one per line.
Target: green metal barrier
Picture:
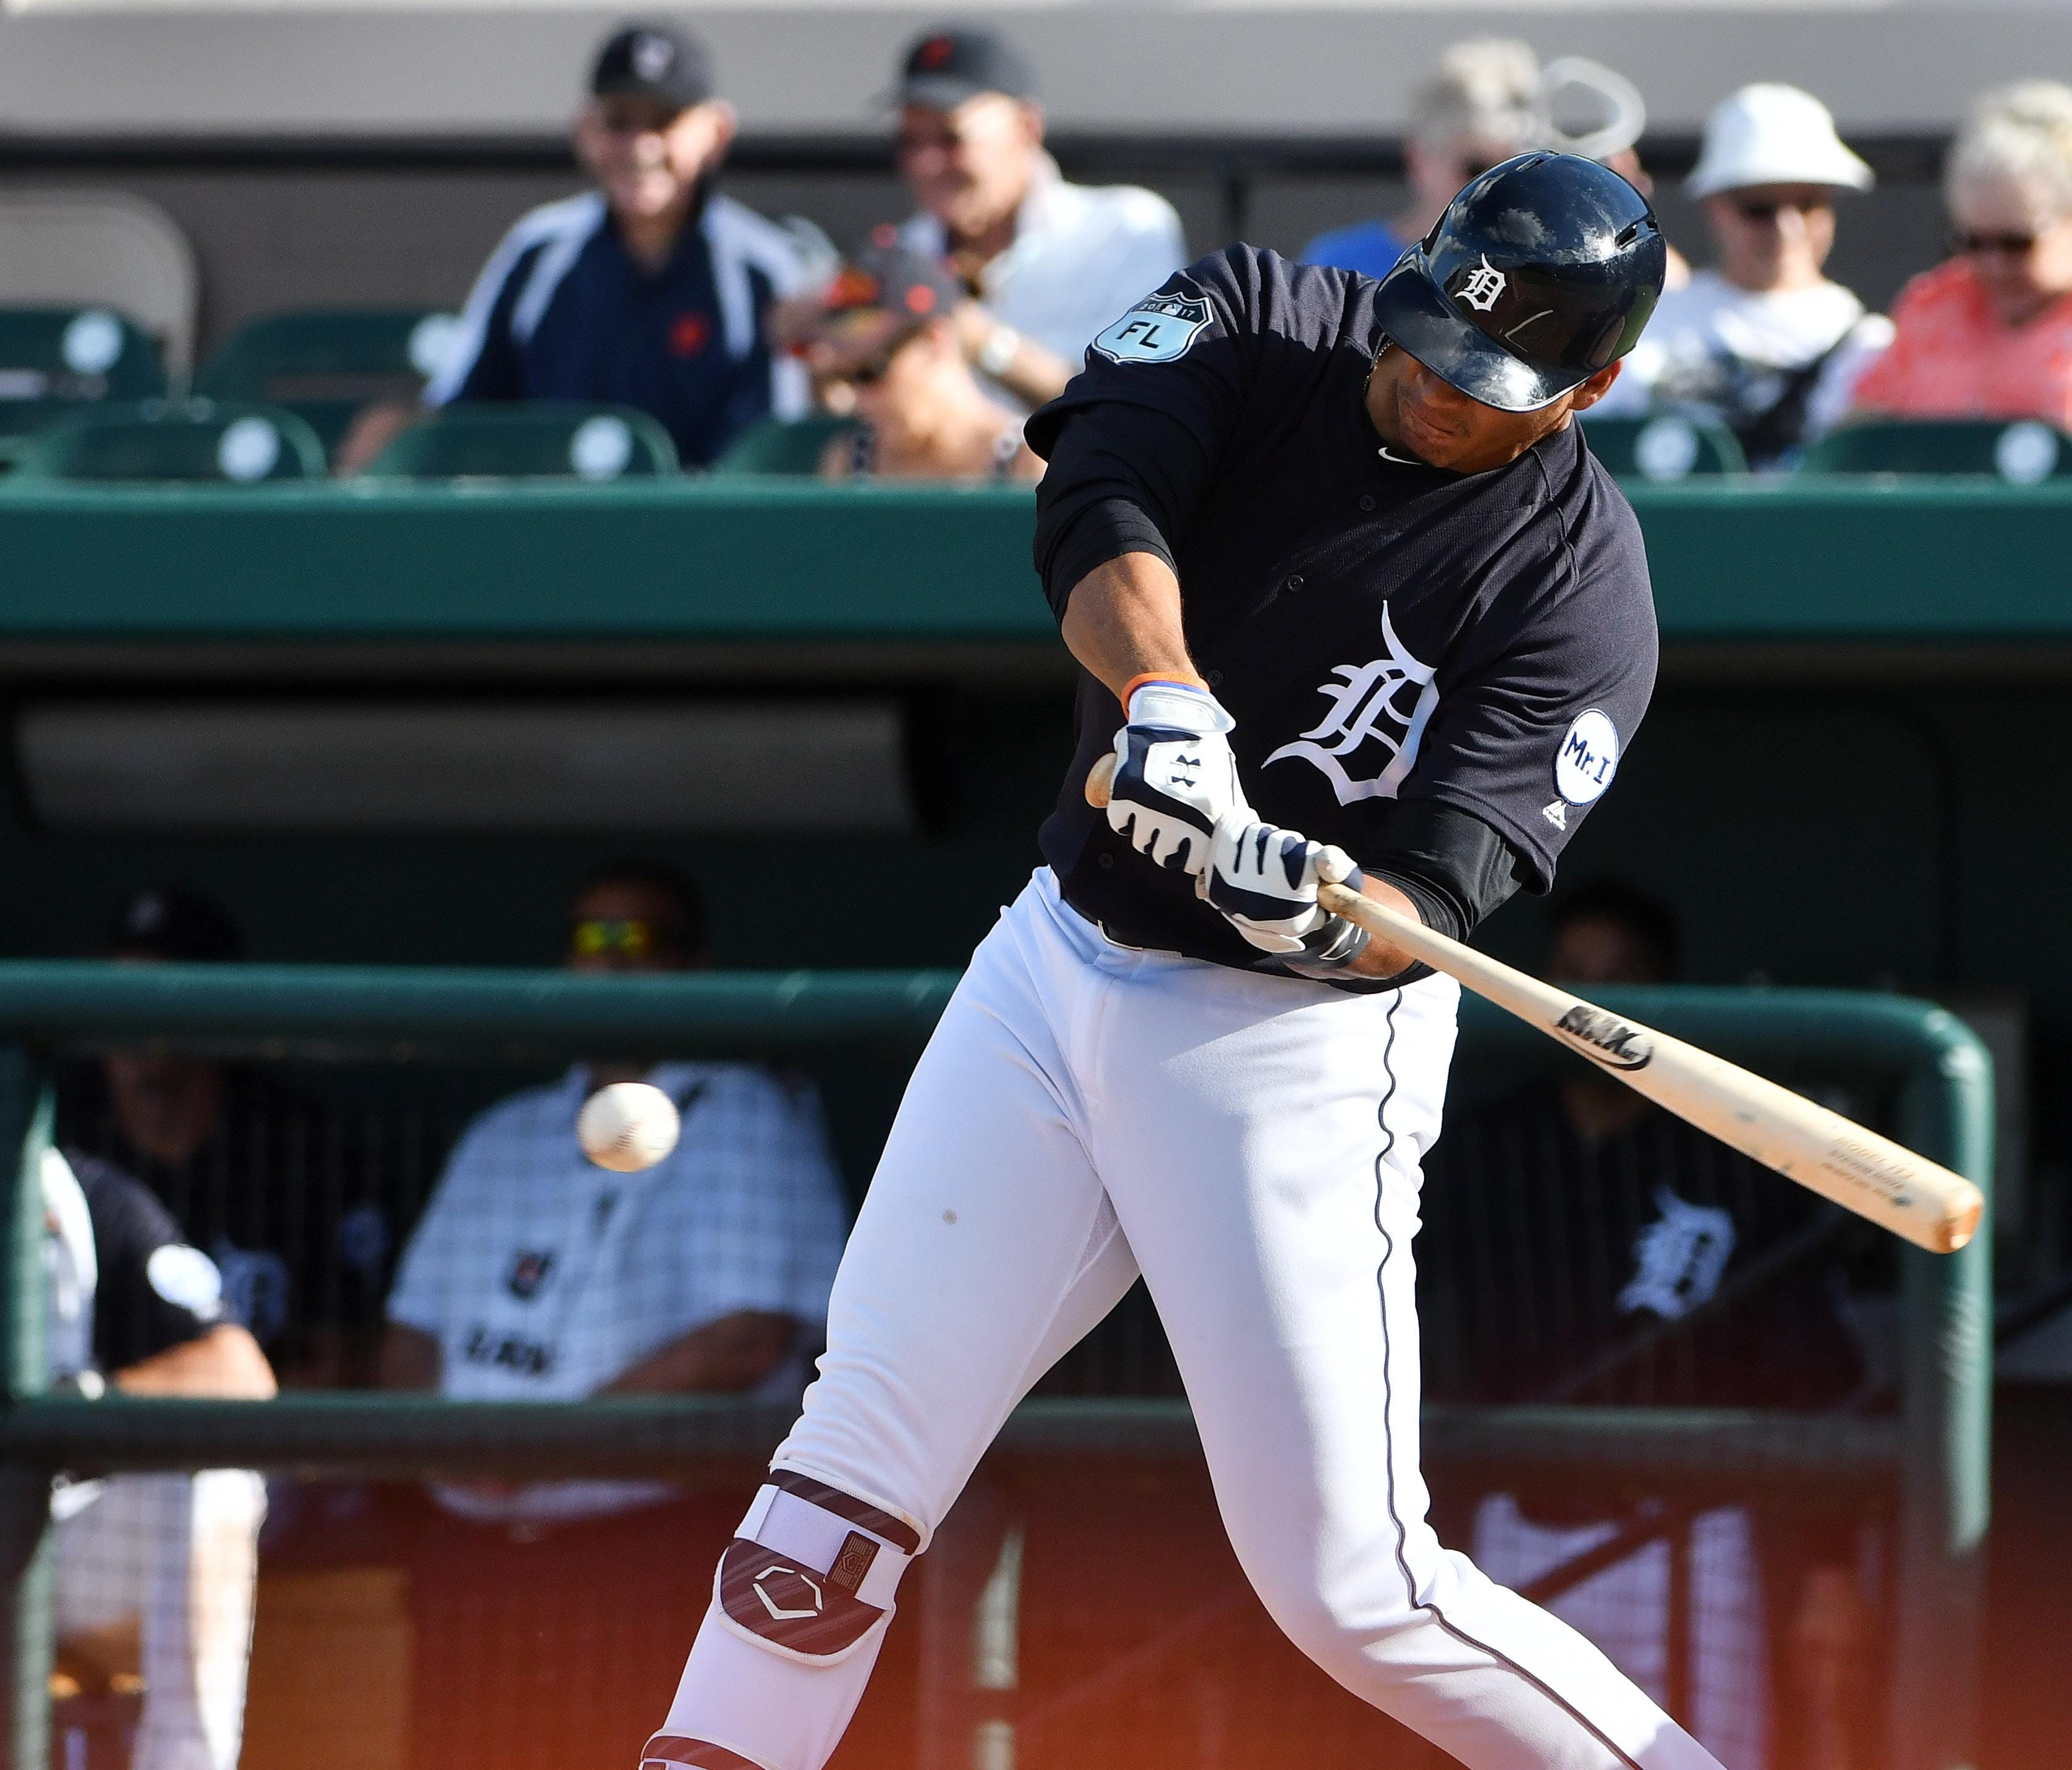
740	560
1927	1063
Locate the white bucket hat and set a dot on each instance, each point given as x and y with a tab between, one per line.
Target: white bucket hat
1773	135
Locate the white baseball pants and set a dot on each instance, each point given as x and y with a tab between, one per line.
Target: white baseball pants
1252	1144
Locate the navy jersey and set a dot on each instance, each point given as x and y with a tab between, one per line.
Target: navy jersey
1653	1266
153	1292
561	311
1385	632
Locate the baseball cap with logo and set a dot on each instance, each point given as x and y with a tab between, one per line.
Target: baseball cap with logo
661	62
885	278
169	922
946	66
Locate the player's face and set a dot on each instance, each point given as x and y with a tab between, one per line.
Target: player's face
1415	410
970	167
1773	236
2020	252
166	1103
647	156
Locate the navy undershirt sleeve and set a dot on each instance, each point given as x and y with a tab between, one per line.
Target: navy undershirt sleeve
1453	866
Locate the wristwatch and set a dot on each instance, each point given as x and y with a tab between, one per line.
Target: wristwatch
996	355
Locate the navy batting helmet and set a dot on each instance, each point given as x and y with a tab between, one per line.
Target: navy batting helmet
1541	272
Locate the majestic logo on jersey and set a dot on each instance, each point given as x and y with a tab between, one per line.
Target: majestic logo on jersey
1556	814
1588	759
1484	287
1606	1037
1376	719
1157	329
529	1272
1682	1258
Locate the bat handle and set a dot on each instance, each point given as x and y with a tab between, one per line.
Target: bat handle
1099	779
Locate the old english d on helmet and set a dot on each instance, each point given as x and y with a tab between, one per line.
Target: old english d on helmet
1541	272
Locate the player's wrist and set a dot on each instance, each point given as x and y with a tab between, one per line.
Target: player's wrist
1176	700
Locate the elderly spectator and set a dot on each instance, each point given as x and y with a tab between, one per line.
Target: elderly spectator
651	290
1046	263
1765	341
1989	333
535	1275
154	1573
1481	106
885	329
266	1181
1489	99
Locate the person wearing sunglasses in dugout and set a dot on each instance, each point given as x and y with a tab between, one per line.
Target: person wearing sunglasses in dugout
1763	341
884	330
1989	334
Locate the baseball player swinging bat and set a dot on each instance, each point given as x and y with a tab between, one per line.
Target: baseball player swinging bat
1859	1170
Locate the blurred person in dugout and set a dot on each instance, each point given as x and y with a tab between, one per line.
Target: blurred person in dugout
535	1275
886	329
1764	341
1488	100
1045	264
154	1575
651	290
267	1182
1581	1245
1989	334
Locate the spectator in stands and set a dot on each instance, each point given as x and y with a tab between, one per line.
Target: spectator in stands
266	1181
1764	342
153	1573
1489	99
1582	1244
1989	333
886	329
535	1275
651	290
1481	106
1046	263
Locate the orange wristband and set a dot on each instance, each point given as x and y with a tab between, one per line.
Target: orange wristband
1137	682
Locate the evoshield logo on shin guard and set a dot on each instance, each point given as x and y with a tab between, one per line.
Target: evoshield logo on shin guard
1606	1038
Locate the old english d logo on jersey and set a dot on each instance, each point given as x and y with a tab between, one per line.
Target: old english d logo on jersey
775	1598
1157	329
1366	741
1682	1257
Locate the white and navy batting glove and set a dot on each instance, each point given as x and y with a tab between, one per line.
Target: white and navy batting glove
1265	879
1174	775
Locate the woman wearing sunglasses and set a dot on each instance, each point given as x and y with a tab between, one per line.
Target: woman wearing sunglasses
1763	340
884	333
1989	333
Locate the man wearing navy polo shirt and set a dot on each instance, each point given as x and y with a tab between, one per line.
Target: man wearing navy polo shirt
650	291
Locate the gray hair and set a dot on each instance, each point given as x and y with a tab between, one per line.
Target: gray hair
2022	132
1488	86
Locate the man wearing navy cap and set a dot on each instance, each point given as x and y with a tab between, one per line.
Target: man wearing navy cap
1047	264
650	291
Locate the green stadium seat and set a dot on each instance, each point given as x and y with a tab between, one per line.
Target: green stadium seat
175	441
2023	452
1664	445
55	360
543	441
325	365
784	445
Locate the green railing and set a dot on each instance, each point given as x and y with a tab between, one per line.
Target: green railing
1933	1072
734	561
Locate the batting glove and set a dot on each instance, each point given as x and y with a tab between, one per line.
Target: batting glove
1174	775
1265	880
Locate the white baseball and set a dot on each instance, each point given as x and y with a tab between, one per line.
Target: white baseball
627	1126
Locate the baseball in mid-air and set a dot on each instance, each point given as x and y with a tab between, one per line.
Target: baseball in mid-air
627	1126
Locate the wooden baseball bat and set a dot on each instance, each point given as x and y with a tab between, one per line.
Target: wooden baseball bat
1857	1168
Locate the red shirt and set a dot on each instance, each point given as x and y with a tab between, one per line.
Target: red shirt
1953	356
